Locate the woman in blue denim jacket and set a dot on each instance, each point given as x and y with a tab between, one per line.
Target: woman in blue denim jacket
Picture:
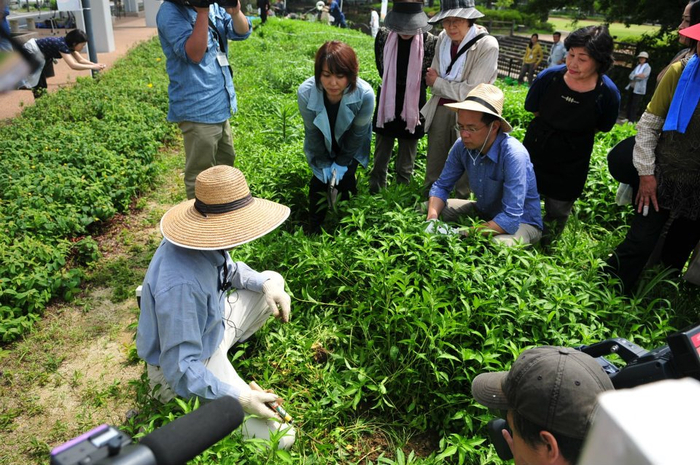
337	108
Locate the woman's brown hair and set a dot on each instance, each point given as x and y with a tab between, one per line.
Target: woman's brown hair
340	59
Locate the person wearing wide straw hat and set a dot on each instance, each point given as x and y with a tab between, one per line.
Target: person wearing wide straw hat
196	302
637	86
403	51
550	398
499	171
465	56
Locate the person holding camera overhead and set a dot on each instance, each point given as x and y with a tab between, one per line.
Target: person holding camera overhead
194	36
336	106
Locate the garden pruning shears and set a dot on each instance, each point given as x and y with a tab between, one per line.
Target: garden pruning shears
333	190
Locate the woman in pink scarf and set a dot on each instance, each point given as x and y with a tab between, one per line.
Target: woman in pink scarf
403	51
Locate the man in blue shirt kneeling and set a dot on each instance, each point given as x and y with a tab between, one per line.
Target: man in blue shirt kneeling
196	302
500	175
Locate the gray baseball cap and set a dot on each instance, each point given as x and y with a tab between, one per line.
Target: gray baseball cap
554	387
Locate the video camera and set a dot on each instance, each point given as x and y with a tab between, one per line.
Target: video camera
175	443
679	358
206	3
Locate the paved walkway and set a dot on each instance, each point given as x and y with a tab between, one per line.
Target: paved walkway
128	32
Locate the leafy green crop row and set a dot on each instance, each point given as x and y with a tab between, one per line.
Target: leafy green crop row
70	162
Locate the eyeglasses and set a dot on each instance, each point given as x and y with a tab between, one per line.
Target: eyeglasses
469	129
453	22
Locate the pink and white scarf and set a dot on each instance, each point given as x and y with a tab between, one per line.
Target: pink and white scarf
387	108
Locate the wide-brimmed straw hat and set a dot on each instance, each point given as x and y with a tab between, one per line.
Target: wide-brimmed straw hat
407	18
692	32
643	55
223	214
486	99
456	9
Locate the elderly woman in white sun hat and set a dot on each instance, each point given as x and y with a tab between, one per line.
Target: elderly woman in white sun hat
465	56
196	302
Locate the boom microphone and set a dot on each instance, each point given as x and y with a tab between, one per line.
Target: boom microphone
188	436
175	443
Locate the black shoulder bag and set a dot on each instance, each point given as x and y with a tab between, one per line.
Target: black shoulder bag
463	50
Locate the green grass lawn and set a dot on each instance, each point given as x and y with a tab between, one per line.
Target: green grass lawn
618	30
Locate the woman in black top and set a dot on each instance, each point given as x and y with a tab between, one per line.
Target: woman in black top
571	103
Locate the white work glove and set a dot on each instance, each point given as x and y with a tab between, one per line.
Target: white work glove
276	297
435	226
254	403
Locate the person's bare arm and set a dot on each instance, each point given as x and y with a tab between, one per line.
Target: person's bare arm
196	45
75	61
240	22
435	206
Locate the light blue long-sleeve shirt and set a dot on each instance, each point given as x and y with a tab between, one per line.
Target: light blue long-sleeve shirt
199	92
556	54
503	181
182	310
353	126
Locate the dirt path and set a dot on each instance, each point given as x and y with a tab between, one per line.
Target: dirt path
128	32
76	369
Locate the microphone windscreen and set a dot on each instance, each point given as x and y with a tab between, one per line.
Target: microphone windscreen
190	435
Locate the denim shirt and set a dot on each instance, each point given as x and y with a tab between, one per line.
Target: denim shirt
503	181
199	92
353	126
182	310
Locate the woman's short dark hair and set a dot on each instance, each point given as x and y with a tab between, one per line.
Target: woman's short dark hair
569	447
597	42
75	37
340	59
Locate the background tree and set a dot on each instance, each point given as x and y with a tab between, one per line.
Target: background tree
667	13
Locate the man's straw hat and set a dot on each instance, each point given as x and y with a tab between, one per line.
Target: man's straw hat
486	99
223	214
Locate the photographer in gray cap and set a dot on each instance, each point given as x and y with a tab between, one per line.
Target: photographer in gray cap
550	395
